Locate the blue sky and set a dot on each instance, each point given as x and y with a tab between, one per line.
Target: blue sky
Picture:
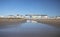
22	7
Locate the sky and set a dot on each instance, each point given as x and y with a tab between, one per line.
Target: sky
23	7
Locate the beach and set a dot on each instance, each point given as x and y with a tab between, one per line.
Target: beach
53	22
19	27
10	21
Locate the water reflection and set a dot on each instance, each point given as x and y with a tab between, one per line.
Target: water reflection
30	30
32	21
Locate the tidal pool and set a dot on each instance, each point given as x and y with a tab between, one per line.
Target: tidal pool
30	29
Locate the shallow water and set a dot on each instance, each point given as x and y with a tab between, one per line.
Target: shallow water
29	29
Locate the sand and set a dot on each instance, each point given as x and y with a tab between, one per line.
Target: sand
53	22
10	21
7	21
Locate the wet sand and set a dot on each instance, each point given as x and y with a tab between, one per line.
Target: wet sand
53	22
28	29
10	21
